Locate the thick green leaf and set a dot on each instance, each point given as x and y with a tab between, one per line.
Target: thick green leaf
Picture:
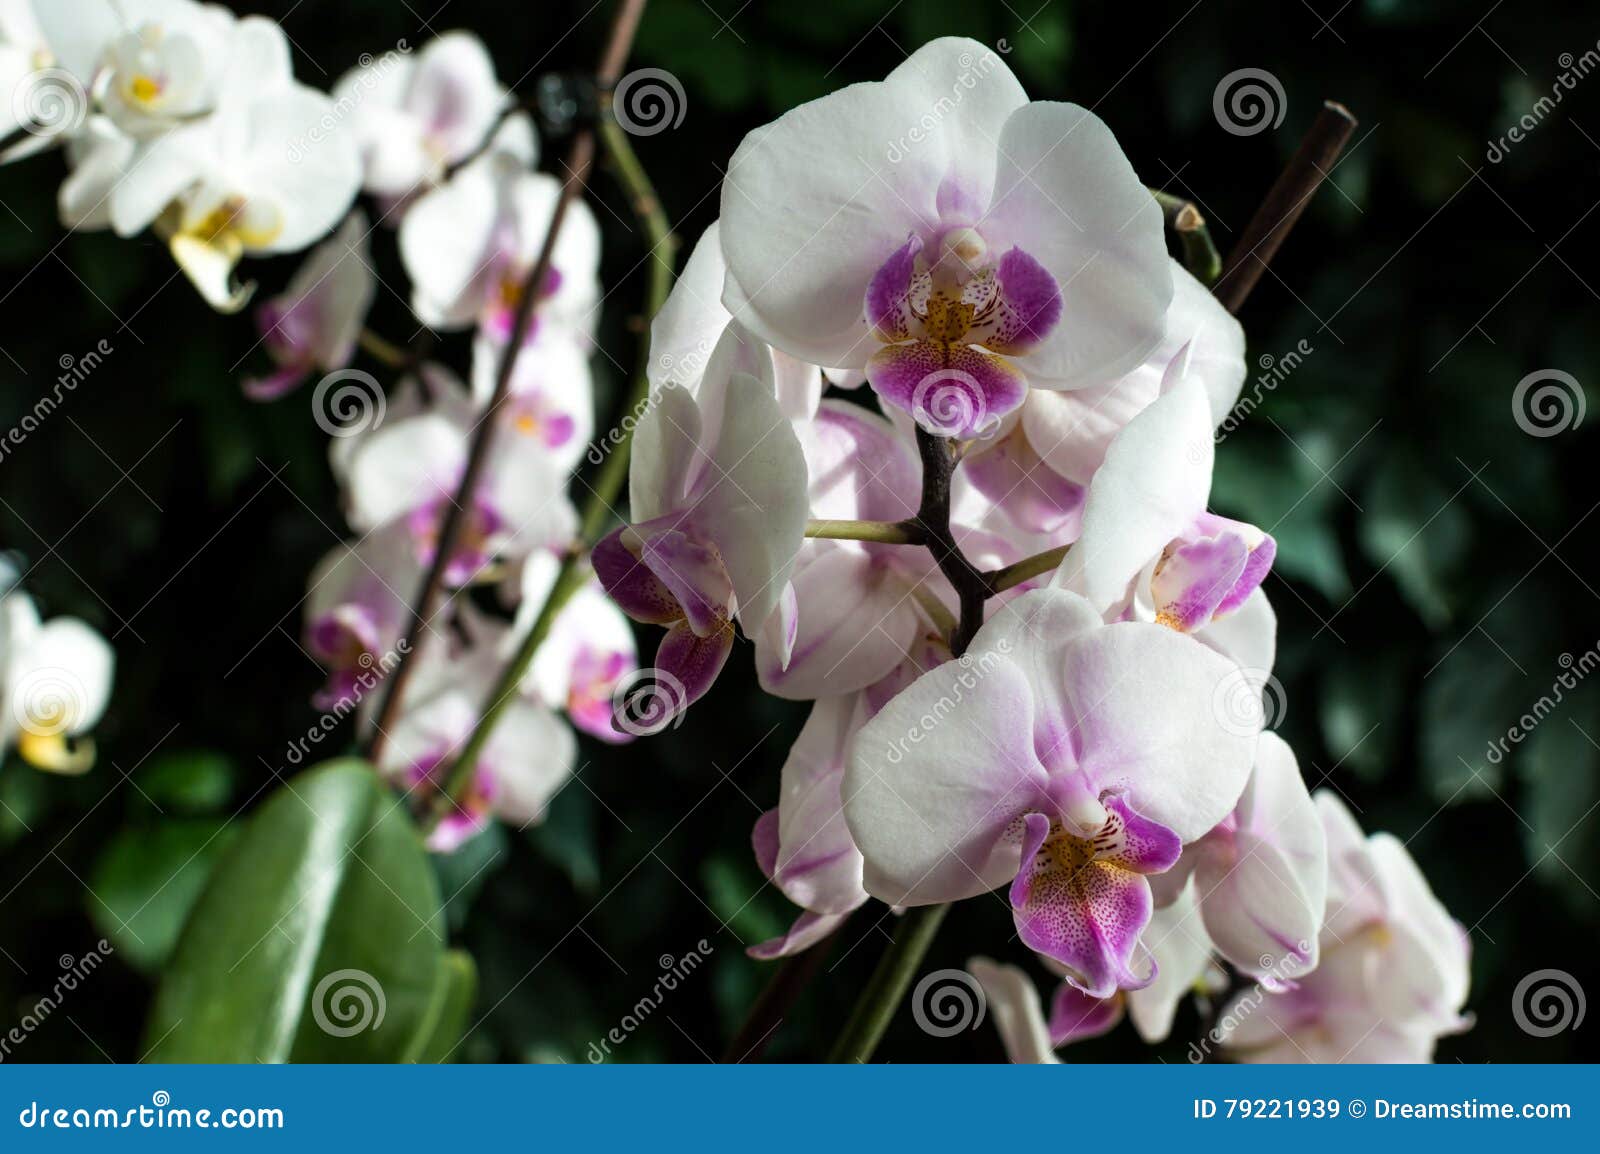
1560	769
455	989
1417	531
147	880
318	938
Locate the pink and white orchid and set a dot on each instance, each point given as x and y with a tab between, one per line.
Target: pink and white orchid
414	116
999	244
528	758
407	471
469	244
803	844
1037	469
1149	550
316	321
357	611
1394	971
718	496
1068	757
1261	875
692	323
587	654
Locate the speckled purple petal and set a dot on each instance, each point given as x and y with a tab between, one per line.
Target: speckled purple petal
1085	914
690	567
694	661
1028	308
951	390
629	582
888	293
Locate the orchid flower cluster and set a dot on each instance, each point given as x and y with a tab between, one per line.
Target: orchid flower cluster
182	118
926	297
450	165
1097	752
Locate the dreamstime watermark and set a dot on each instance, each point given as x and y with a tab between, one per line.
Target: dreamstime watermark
973	670
74	972
1576	670
373	71
1274	371
1573	69
1547	402
1548	1002
648	101
74	371
1248	101
373	671
673	971
973	70
647	701
348	1002
49	102
1246	701
951	403
947	1002
348	402
160	1114
1276	975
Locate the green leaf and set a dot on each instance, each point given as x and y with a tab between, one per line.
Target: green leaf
1416	530
318	938
1560	768
1466	704
147	880
455	989
1359	710
190	781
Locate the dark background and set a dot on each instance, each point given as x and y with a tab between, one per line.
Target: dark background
1435	561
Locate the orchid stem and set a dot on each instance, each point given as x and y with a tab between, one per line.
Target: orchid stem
578	163
384	350
608	482
1188	224
1027	569
883	532
875	1008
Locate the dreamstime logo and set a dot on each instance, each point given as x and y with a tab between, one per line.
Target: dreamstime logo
74	371
674	972
1547	402
647	701
348	1002
648	101
973	70
1249	101
1246	701
1548	1002
946	1002
347	403
973	670
49	102
1274	371
48	702
950	403
1277	975
1573	671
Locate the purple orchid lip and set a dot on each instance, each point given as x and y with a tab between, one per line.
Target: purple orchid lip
1082	899
949	331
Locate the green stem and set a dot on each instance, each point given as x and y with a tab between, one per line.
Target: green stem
884	532
1027	569
1200	255
384	350
604	491
878	1002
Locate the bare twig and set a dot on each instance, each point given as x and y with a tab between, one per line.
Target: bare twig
1286	200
